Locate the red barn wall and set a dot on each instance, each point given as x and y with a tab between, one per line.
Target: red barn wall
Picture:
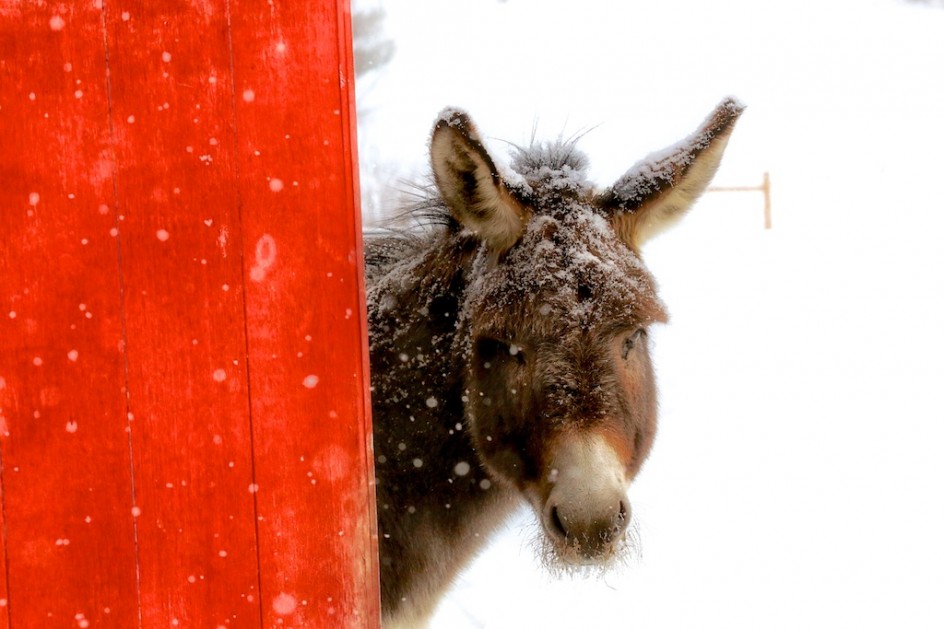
184	421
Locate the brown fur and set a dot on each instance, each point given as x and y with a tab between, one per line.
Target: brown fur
511	342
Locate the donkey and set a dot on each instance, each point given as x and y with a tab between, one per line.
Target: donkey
509	353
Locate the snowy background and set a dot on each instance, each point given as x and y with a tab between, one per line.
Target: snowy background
796	480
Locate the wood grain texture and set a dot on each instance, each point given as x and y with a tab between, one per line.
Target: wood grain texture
304	299
66	472
184	428
186	348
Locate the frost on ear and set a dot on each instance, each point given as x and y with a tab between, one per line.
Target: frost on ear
657	191
470	185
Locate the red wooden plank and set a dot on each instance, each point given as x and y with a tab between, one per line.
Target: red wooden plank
172	109
66	475
305	313
124	354
4	595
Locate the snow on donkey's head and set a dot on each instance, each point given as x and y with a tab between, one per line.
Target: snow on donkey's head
510	356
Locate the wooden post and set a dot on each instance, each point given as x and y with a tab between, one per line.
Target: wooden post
763	187
184	420
767	218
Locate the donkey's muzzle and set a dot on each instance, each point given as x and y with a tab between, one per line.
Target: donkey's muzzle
586	511
591	533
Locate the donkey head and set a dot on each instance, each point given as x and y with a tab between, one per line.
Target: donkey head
560	394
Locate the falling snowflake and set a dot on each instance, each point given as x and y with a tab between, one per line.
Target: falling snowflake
284	604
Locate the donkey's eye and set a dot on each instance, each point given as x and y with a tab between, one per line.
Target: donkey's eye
630	342
517	352
496	351
514	352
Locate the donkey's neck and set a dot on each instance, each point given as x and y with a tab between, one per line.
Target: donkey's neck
436	504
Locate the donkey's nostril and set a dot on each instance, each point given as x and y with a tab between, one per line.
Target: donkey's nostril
557	524
622	518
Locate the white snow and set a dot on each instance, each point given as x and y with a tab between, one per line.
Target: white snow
310	381
284	604
266	251
222	240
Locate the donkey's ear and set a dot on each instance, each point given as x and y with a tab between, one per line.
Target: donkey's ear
658	191
470	185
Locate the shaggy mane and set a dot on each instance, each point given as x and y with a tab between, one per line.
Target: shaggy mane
559	156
